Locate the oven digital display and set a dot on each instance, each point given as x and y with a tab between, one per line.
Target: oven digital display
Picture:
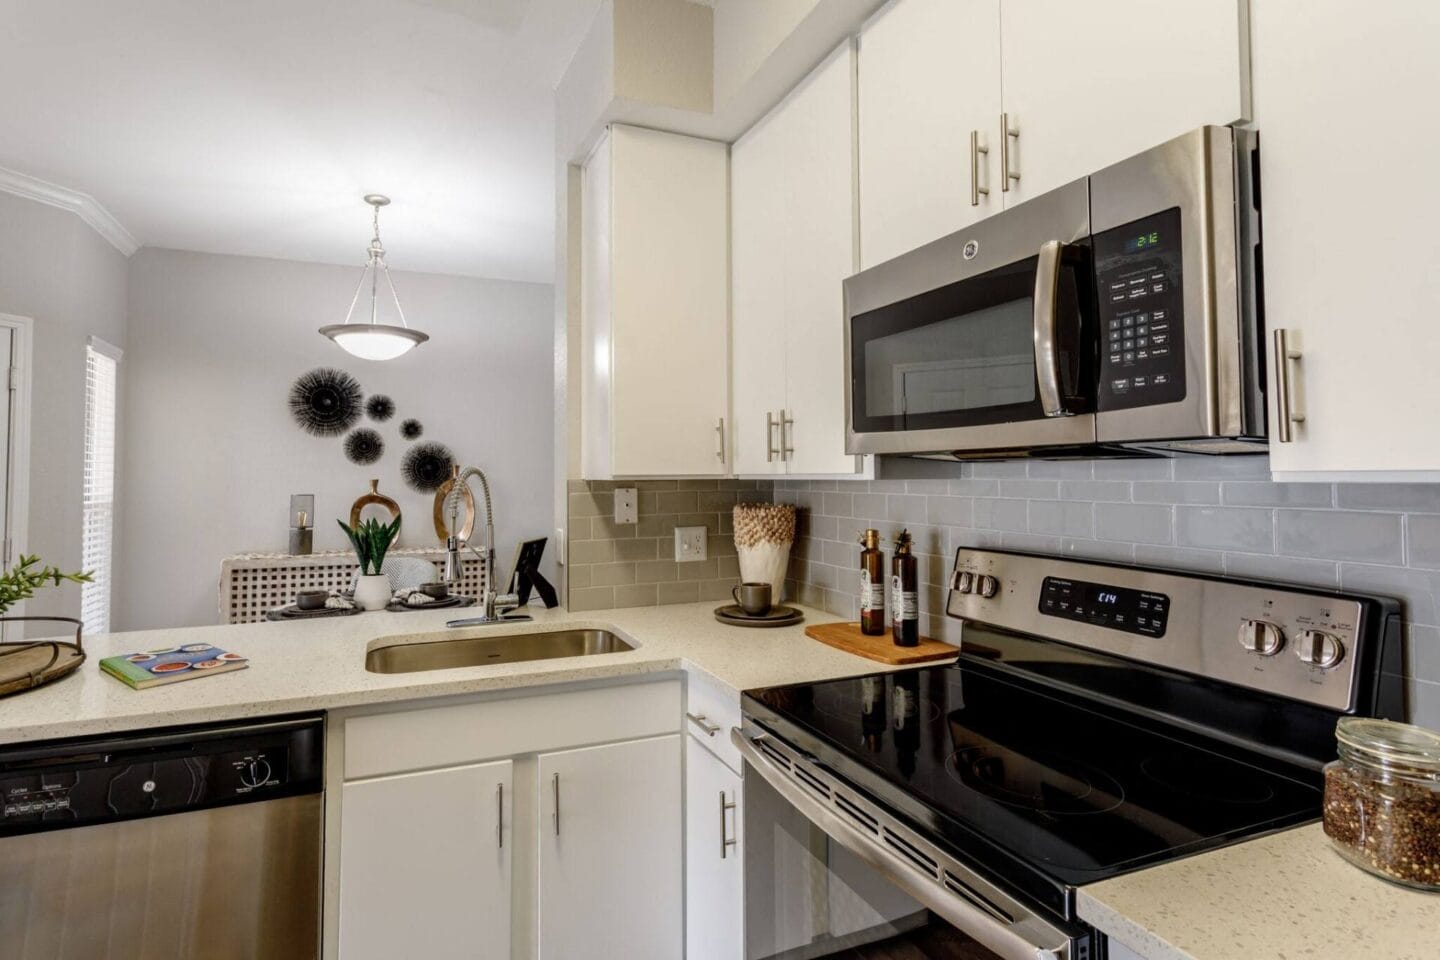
1118	608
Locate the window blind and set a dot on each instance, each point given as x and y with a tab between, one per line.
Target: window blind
98	525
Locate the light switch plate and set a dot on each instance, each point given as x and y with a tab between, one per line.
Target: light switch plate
690	544
627	508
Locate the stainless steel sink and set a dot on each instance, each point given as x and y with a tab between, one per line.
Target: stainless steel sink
442	654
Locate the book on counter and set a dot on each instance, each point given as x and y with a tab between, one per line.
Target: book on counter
151	668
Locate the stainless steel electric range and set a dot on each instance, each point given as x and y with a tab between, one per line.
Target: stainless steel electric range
1100	719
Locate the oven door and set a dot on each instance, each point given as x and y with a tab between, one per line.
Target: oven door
984	340
830	874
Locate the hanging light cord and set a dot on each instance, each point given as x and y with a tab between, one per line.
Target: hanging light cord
373	267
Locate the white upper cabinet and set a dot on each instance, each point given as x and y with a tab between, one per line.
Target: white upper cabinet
1089	84
794	243
757	305
425	869
655	306
610	852
1341	105
929	80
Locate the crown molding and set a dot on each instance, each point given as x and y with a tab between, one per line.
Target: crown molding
84	206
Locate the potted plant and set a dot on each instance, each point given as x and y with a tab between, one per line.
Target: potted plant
20	582
371	539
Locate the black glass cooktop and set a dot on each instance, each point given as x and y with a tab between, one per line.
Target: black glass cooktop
1023	776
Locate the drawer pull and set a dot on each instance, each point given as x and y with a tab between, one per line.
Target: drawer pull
700	721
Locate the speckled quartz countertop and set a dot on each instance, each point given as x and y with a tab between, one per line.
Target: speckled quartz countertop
320	665
1281	897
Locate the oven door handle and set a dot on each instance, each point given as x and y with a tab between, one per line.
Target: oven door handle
1046	332
1025	937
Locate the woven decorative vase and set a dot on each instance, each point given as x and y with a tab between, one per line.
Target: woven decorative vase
764	534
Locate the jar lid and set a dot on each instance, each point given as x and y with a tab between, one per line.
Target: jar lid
1391	742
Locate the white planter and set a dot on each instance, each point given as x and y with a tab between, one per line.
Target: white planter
372	592
764	533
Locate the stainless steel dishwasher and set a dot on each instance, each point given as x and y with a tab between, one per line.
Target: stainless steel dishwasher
197	843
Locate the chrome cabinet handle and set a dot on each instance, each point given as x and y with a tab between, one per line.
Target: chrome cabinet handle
500	815
787	435
720	440
1047	306
699	720
726	841
555	789
1285	415
771	451
1006	133
977	149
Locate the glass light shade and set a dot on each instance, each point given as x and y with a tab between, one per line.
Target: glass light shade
374	341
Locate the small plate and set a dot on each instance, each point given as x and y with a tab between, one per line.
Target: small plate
778	616
293	612
454	600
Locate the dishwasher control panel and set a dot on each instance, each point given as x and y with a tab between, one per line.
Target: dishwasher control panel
96	781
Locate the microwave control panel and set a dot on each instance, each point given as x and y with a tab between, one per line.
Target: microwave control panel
1142	323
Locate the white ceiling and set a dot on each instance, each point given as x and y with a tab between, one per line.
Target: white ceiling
254	128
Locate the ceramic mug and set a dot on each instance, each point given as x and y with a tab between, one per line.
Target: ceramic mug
753	598
312	599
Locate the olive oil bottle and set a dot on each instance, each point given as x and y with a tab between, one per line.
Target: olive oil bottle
904	594
872	585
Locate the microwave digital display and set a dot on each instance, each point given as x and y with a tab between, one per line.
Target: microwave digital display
1143	242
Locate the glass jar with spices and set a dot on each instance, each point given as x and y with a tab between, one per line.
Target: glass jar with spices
1382	800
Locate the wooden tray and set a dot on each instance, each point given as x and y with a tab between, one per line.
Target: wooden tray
847	637
26	664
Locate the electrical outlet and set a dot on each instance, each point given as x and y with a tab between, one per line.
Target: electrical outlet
690	544
627	508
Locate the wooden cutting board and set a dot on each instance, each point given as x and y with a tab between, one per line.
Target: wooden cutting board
847	637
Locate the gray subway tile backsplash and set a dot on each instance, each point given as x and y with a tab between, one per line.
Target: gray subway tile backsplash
1225	528
1340	535
1219	515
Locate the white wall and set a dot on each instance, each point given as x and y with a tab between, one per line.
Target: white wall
58	271
210	454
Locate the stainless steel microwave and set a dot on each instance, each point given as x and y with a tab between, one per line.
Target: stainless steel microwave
1118	313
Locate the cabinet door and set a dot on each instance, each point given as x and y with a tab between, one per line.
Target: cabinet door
819	186
929	75
425	865
610	851
757	218
714	872
1089	84
1346	217
670	309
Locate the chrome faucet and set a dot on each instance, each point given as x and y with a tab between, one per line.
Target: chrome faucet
492	604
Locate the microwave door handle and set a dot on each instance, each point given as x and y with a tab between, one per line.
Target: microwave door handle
1047	320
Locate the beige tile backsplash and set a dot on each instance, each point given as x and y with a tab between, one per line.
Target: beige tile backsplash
633	565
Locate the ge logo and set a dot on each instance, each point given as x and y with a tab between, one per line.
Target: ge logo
971	248
148	786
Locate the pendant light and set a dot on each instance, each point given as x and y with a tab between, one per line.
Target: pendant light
374	341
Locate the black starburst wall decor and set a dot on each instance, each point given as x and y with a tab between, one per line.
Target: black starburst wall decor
325	402
364	446
427	466
412	429
380	408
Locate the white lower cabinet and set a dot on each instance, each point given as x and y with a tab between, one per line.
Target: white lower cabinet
714	870
425	865
610	851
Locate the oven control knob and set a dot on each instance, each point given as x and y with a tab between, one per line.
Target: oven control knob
1319	649
1261	637
987	586
962	582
